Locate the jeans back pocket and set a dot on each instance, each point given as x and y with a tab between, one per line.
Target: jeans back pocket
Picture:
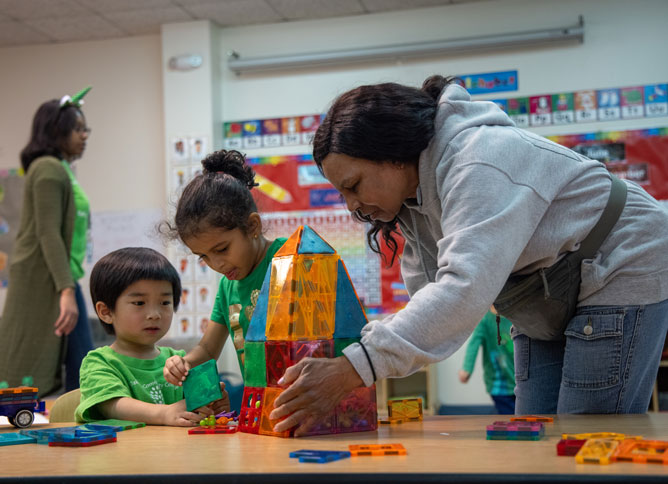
593	354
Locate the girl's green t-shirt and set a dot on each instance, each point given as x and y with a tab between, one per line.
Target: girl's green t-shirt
236	300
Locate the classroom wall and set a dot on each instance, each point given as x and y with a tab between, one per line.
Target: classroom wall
124	166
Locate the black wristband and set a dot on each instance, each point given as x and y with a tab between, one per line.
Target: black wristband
373	372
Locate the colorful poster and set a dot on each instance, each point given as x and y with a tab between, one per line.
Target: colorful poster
180	151
271	133
502	103
291	183
232	133
308	174
180	177
562	108
640	155
518	110
251	134
656	100
608	104
541	110
199	148
585	106
291	131
309	125
11	201
632	102
325	197
490	82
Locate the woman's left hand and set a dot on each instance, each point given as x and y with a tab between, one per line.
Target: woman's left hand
317	385
69	312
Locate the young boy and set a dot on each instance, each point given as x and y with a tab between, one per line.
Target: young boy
135	292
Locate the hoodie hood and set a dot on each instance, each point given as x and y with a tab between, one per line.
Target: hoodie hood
456	113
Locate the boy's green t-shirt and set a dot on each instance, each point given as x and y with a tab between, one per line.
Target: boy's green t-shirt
106	374
236	300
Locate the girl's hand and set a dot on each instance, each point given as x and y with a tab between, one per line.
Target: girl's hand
69	313
175	370
317	385
464	376
176	415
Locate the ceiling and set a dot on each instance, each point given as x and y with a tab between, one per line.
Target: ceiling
24	22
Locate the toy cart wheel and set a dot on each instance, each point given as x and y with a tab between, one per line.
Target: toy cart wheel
23	418
11	421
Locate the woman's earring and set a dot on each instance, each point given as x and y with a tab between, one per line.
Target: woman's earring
255	236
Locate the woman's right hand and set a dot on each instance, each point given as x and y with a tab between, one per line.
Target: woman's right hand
175	370
69	312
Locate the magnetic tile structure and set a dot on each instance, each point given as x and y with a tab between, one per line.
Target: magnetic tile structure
405	409
361	450
642	452
597	451
319	456
570	446
531	418
202	386
307	308
515	431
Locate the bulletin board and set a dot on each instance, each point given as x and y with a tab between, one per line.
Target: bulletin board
11	199
639	155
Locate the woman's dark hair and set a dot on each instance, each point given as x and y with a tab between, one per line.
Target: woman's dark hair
119	269
385	123
220	197
51	126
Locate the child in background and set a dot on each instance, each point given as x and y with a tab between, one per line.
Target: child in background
498	366
135	292
216	217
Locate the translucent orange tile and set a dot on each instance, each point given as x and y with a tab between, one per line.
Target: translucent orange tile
292	244
406	409
266	424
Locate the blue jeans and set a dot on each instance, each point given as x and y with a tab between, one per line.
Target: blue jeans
79	343
607	362
505	404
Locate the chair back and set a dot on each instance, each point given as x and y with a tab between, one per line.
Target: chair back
64	406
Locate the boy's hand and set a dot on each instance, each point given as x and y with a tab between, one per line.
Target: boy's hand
222	405
175	370
464	376
176	415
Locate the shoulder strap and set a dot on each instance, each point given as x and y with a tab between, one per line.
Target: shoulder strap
611	213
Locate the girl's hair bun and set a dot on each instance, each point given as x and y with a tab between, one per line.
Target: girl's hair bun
229	162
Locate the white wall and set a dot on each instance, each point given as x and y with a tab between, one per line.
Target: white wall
122	167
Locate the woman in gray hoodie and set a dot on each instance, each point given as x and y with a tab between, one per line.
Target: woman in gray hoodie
480	202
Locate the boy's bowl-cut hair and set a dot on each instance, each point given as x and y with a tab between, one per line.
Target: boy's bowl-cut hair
114	272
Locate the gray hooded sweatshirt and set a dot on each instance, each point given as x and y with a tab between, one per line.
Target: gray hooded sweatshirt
494	200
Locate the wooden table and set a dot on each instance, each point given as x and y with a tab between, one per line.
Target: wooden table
440	449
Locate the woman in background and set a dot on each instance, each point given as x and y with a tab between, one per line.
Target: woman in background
44	323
